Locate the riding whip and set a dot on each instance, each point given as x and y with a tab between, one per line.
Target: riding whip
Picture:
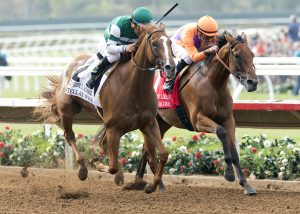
169	11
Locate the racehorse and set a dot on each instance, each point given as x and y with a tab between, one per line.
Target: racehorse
207	101
128	102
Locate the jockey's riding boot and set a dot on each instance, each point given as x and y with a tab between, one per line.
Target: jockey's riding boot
169	83
97	71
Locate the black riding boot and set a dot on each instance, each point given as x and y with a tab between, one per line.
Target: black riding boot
169	83
97	71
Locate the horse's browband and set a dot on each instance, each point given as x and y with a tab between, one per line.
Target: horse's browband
232	45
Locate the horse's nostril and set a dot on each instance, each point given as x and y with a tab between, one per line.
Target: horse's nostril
249	81
252	82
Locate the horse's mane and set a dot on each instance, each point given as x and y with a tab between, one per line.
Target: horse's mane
222	40
146	29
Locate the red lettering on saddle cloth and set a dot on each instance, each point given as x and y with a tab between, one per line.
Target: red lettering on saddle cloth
165	99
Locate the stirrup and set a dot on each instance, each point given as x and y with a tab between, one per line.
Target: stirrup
168	86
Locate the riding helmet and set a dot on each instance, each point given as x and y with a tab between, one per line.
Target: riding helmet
208	25
142	15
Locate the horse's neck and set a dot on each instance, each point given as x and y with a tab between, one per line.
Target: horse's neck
142	80
218	73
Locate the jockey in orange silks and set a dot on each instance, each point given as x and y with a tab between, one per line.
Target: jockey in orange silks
192	43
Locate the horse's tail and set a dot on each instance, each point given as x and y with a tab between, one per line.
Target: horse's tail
100	136
48	110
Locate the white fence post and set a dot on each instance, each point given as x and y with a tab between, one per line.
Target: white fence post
68	156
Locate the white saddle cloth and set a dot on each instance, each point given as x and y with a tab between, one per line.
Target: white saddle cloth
79	89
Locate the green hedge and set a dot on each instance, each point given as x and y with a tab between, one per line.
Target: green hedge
199	154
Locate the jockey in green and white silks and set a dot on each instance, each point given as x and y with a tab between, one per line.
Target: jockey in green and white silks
120	36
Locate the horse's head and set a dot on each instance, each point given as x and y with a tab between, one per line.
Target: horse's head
158	48
241	60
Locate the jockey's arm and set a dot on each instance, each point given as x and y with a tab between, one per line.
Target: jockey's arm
112	41
188	43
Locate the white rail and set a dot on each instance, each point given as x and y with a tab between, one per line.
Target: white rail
35	67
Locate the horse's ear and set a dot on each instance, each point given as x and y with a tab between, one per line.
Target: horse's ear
244	37
229	38
162	26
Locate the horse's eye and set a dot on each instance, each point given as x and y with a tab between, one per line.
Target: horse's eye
237	56
155	46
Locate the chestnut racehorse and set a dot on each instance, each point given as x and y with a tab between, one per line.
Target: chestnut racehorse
128	102
207	101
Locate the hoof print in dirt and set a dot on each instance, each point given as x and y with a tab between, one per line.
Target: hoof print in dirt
71	195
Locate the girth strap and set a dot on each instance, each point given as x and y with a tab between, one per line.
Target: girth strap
184	118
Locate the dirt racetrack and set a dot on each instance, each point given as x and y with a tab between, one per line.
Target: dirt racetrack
60	191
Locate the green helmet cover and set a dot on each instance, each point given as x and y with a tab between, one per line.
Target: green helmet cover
142	15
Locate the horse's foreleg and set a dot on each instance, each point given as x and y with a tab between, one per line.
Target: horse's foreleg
139	183
230	126
70	138
119	176
222	135
113	141
205	124
152	140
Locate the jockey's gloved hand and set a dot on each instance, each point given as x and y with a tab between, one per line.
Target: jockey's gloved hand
130	48
211	50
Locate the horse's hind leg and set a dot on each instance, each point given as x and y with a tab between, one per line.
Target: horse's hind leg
248	190
67	123
152	139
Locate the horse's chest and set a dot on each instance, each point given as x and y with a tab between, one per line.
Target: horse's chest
215	112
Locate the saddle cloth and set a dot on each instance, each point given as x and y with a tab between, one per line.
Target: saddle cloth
79	89
166	99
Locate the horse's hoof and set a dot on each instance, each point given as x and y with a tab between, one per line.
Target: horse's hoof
161	187
119	178
82	173
93	160
229	175
137	184
149	188
250	191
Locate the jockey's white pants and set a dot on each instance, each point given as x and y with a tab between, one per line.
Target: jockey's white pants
110	57
180	52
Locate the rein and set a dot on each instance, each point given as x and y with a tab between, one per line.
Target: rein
151	69
220	60
224	64
186	82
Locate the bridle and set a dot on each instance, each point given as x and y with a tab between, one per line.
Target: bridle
151	69
235	73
